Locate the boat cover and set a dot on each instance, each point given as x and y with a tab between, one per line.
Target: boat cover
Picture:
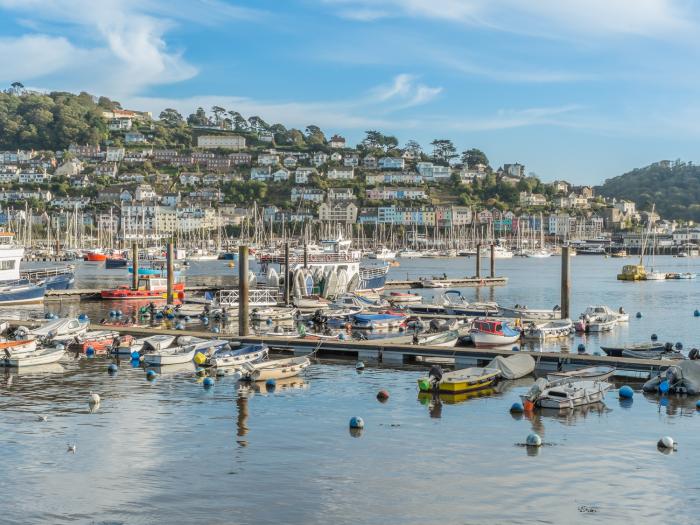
514	366
683	378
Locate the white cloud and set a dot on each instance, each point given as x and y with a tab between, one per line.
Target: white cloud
561	18
405	92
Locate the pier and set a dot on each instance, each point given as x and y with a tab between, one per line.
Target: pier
385	352
456	282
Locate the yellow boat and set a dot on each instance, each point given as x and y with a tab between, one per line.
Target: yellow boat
632	272
464	380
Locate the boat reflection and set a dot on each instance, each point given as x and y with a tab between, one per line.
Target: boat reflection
175	369
281	385
51	368
675	405
242	418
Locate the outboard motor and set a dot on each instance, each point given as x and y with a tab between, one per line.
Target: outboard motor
435	325
694	354
668	347
435	375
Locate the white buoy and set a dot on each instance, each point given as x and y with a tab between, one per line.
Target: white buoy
42	418
72	448
667	442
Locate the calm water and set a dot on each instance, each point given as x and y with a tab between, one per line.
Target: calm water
169	451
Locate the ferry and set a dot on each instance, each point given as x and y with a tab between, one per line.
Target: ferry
15	290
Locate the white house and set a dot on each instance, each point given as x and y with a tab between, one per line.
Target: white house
341	174
280	175
337	142
391	163
340	194
188	179
301	175
114	154
34	177
307	195
268	159
144	192
134	137
289	162
261	173
320	158
351	161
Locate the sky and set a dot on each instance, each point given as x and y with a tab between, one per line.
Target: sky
580	90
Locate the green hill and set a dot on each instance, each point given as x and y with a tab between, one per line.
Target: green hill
673	186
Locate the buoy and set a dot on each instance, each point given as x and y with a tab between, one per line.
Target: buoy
231	265
359	365
83	318
208	382
664	386
199	370
269	321
679	346
112	368
179	326
654	337
151	375
135	355
639	315
581	348
424	385
205	320
90	351
516	408
112	313
626	392
667	442
187	319
72	447
697	405
533	440
356	422
94	399
159	315
696	313
119	313
170	315
383	396
515	349
341	336
216	329
270	384
48	315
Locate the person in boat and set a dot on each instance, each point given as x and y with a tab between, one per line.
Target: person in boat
435	375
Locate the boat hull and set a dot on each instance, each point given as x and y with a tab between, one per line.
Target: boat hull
484	340
21	294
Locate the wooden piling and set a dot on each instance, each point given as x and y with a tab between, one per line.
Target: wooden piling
493	261
286	274
135	266
243	316
306	256
565	282
478	260
170	258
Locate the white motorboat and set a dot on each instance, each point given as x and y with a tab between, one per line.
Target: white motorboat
275	369
447	339
488	333
156	342
384	254
403	297
273	314
565	393
200	343
311	303
409	254
538	254
60	330
600	318
40	356
499	252
548	330
525	313
601	323
655	276
170	356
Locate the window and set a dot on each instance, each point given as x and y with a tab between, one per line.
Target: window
7	265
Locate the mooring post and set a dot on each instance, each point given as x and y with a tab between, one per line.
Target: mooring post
306	257
478	261
286	273
135	266
493	261
170	257
243	291
565	282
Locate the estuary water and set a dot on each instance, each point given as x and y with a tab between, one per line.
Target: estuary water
171	451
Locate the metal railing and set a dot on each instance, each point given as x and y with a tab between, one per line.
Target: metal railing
256	297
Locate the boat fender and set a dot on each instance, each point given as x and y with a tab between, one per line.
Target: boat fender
179	326
359	365
94	399
679	346
216	330
90	351
424	385
135	355
697	404
515	349
270	385
639	314
581	348
696	313
626	392
664	386
205	320
654	337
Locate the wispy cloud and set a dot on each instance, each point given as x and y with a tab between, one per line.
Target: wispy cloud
405	91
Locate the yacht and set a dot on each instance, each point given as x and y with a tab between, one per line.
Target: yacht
15	290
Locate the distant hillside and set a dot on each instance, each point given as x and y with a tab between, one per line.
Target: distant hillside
673	186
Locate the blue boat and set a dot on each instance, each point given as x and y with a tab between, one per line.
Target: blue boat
55	278
112	263
373	278
228	256
21	291
377	321
240	356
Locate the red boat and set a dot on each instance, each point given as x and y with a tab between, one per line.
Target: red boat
101	341
150	287
95	256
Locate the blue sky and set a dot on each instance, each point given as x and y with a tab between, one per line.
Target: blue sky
577	89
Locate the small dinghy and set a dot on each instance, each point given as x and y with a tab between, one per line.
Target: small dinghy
590	373
447	339
157	342
513	367
100	341
565	394
237	357
60	330
683	378
616	351
378	321
525	313
173	355
199	343
41	356
403	297
276	369
273	314
16	348
488	333
646	354
549	330
462	381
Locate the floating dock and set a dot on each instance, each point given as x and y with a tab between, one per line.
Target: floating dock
449	282
398	354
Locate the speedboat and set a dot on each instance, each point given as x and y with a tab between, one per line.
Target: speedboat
565	394
487	333
616	351
383	254
403	297
455	303
409	254
380	321
273	314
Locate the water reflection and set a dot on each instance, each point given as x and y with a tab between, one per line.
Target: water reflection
242	417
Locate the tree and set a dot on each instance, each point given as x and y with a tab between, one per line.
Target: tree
258	124
198	118
473	157
443	150
373	139
314	135
171	117
218	111
414	148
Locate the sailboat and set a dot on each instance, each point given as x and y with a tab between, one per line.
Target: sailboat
654	275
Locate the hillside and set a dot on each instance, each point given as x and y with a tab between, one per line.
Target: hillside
673	186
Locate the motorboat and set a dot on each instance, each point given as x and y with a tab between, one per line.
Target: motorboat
538	254
565	393
251	353
682	378
59	330
499	252
150	287
600	318
409	254
548	330
378	321
525	313
273	314
646	354
455	303
590	373
15	289
95	256
514	366
435	283
312	302
275	369
463	381
486	333
653	275
40	356
170	356
632	272
200	343
447	339
384	254
152	343
112	263
616	351
403	297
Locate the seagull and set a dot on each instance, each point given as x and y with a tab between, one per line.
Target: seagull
71	448
42	418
